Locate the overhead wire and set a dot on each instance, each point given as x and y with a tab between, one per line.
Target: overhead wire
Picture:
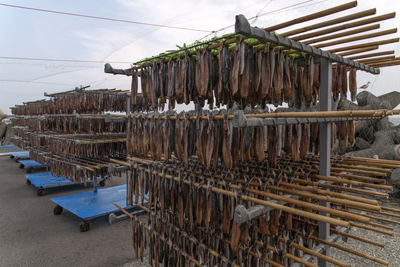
61	60
104	18
276	11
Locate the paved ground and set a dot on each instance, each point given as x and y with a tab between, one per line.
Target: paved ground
30	235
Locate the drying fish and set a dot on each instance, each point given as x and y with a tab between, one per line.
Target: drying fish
265	75
304	141
344	82
235	70
134	87
353	83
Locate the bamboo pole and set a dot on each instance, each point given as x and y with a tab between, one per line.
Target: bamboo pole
364	45
342	34
306	214
331	22
387	64
319	255
352	251
362	239
342	188
344	26
369	228
357	38
312	16
349	203
372	55
377	218
300	260
309	205
357	51
331	193
376	59
359	178
391	209
356	183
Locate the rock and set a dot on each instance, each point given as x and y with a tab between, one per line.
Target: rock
395	177
3	128
2	114
361	144
391	152
9	135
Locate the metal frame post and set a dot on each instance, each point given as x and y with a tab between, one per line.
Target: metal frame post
325	143
128	112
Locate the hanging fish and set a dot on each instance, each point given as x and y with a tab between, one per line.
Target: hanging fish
272	145
295	143
134	87
226	146
353	83
304	141
236	66
245	74
344	82
265	75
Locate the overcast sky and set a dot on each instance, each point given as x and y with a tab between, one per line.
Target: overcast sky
35	34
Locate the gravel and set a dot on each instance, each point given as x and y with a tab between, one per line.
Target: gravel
390	253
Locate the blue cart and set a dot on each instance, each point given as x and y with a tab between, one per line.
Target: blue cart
29	165
93	204
17	155
46	180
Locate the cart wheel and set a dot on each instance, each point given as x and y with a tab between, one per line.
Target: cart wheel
102	183
40	192
58	210
84	226
21	166
28	182
29	170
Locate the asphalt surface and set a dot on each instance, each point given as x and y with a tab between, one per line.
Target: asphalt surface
31	235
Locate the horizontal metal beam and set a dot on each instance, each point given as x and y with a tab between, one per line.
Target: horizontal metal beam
242	26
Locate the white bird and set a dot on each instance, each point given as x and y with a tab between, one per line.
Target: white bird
365	86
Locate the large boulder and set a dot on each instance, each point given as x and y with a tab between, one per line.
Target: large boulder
3	114
3	129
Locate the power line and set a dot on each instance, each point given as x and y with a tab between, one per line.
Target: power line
104	18
23	81
267	13
62	60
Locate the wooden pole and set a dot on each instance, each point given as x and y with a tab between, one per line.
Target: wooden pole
364	45
376	59
342	188
369	228
357	51
300	260
309	17
362	239
344	26
349	203
342	34
331	22
357	38
386	64
352	251
372	55
319	255
331	193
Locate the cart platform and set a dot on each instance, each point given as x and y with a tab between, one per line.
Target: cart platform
19	154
